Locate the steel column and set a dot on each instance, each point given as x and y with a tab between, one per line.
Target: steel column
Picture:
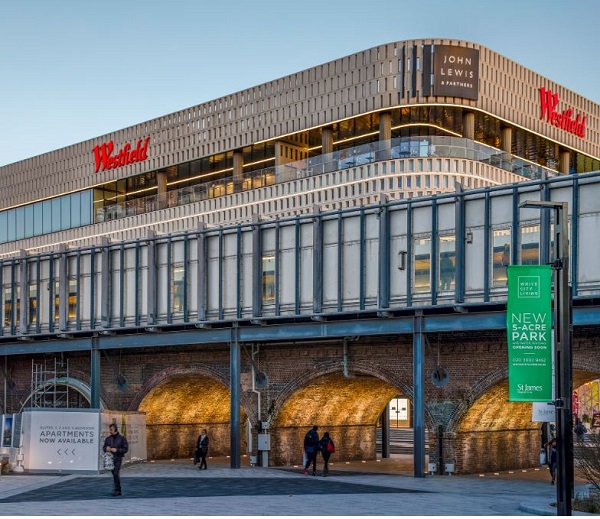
317	262
385	432
23	288
95	374
419	395
152	280
257	267
460	241
563	363
384	253
235	377
105	285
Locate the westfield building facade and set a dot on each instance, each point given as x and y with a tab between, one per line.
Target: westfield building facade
422	114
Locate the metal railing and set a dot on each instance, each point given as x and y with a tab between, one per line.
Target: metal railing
400	148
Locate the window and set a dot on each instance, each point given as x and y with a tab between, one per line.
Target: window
72	310
530	245
500	256
32	304
177	288
268	278
422	265
447	262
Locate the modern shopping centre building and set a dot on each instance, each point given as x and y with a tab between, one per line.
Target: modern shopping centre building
252	213
422	114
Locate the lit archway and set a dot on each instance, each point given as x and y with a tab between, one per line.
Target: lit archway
178	408
347	407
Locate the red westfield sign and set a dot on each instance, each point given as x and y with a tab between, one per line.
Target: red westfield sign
105	159
564	119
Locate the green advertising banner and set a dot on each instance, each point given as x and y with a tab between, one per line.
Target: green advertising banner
529	327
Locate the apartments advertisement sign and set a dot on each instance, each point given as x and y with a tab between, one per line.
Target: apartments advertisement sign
529	326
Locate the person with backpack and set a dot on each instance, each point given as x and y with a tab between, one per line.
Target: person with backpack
580	430
311	449
327	448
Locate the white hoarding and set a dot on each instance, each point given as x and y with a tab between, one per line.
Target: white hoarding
133	427
61	440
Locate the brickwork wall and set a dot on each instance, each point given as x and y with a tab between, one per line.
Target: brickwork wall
481	430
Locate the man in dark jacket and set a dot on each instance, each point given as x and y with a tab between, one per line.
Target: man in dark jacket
118	446
311	448
202	449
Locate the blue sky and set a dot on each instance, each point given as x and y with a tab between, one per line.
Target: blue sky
71	70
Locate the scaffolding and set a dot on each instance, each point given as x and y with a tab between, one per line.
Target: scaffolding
49	387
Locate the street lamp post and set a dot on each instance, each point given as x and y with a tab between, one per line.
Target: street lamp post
563	369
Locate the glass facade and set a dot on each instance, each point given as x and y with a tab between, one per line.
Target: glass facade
417	131
57	214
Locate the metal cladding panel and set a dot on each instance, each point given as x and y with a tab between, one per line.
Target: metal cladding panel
306	264
446	217
351	264
502	208
422	219
330	262
229	267
475	212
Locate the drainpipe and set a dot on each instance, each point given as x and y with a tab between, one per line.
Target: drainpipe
345	358
254	390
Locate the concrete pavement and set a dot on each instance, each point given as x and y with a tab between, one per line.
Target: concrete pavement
373	488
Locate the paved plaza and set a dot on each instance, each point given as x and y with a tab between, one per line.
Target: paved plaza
373	488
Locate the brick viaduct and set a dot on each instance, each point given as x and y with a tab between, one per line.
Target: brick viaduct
342	385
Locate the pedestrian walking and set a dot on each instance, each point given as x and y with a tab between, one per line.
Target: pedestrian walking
327	448
117	445
580	430
311	449
552	458
202	449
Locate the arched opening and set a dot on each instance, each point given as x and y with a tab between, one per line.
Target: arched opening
178	408
496	434
60	392
347	407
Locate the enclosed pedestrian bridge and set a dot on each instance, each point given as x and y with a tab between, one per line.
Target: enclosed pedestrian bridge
444	254
321	317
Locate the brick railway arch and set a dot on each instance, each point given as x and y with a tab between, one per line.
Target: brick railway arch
347	405
489	433
70	384
179	402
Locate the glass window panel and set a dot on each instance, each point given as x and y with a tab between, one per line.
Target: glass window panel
11	224
75	210
20	222
268	278
3	225
72	299
46	216
177	288
38	219
56	301
447	258
86	208
55	208
500	256
422	265
65	212
530	245
33	304
7	306
29	221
